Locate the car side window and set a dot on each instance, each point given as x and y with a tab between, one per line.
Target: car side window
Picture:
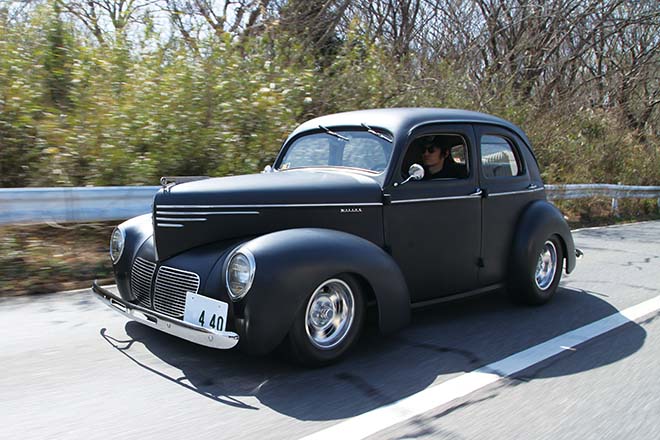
443	156
499	157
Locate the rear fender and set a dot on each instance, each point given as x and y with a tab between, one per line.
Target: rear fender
540	220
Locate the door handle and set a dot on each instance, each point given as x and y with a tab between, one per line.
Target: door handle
477	192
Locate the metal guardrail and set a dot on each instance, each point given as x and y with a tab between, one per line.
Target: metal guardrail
90	204
581	191
615	192
74	204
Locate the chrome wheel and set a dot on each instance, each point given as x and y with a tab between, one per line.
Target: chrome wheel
329	314
546	266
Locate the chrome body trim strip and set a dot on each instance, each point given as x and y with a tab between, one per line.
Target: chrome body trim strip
207	213
509	193
275	205
180	219
181	329
437	199
169	225
475	195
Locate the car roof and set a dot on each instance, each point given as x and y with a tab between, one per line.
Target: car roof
399	121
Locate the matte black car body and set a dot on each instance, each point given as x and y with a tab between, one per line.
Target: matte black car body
405	243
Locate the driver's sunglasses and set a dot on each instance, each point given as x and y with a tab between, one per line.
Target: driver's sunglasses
428	149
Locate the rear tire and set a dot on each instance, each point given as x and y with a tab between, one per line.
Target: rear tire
536	282
329	322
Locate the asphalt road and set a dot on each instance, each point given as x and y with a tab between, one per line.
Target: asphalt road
72	368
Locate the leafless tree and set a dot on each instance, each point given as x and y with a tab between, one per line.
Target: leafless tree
599	53
236	17
98	15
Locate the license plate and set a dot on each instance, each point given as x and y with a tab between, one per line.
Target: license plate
205	312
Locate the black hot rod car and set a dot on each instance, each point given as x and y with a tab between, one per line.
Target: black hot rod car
357	210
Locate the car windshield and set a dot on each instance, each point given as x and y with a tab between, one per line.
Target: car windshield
366	150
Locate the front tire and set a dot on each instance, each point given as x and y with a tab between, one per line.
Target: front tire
537	282
329	322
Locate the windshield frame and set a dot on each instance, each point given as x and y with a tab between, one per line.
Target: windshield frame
338	129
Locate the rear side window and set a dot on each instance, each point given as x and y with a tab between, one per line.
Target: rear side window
499	157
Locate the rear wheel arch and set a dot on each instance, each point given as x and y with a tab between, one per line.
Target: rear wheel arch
540	222
541	219
564	262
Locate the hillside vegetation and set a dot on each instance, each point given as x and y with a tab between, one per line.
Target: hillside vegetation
119	92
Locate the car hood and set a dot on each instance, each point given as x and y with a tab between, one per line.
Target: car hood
302	186
205	211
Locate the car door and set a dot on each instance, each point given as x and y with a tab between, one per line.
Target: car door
433	228
508	189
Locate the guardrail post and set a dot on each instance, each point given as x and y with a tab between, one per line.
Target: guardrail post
615	206
615	203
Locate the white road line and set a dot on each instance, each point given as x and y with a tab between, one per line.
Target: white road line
371	422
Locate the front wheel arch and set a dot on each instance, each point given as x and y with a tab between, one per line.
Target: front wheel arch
291	263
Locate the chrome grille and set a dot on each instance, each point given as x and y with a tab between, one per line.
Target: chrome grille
171	287
142	275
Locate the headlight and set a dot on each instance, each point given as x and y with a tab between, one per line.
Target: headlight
240	273
117	242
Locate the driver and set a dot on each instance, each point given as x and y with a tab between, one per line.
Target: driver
438	162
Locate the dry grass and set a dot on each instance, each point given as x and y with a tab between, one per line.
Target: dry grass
51	258
598	211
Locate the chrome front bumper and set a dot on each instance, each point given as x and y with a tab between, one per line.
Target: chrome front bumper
184	330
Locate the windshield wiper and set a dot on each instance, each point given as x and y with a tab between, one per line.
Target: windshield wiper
375	133
332	133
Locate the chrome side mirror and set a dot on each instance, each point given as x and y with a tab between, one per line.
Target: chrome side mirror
415	172
268	169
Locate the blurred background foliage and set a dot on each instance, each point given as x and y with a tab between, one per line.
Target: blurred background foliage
121	92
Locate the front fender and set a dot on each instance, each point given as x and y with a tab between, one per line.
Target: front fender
290	264
540	220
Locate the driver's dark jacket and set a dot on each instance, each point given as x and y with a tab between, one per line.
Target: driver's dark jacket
450	170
